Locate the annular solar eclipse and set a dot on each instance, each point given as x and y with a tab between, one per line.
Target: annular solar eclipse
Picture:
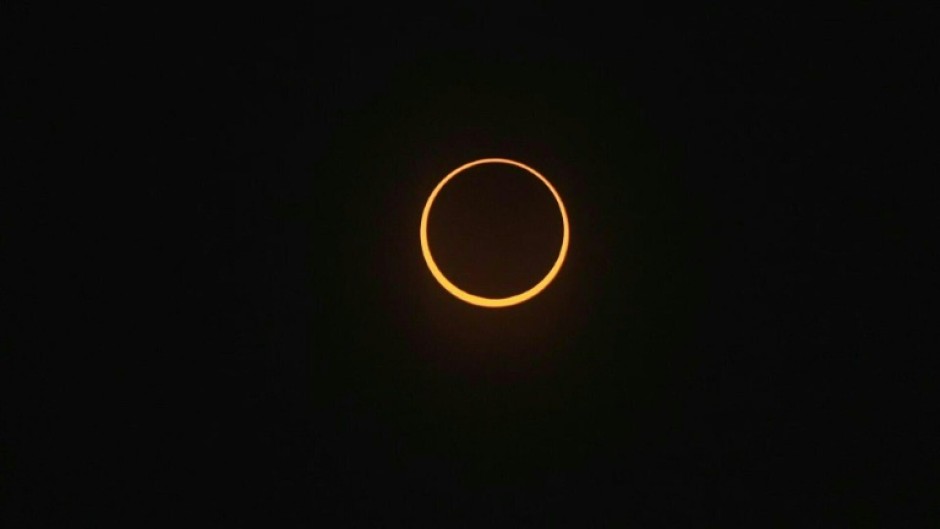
474	299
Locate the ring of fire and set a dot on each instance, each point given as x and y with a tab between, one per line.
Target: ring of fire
480	300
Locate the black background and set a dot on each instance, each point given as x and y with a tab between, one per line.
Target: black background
221	313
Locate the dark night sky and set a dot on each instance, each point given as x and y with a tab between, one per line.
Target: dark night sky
225	316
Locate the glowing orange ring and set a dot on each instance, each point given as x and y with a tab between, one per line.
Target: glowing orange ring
480	300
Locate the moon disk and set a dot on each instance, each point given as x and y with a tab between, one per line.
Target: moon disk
480	300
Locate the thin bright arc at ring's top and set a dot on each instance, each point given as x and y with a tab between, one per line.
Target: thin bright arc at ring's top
473	298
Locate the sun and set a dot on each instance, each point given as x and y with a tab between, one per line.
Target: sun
481	301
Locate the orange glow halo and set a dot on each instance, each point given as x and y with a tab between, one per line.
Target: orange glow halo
480	300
